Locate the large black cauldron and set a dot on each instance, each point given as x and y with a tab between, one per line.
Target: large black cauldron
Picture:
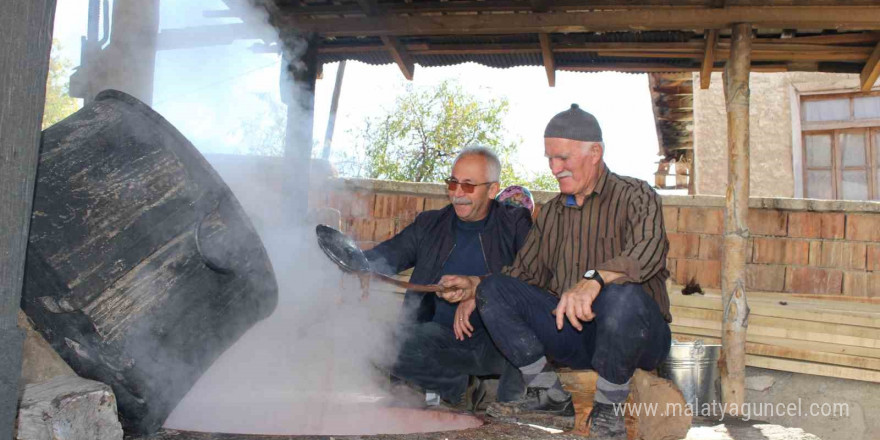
142	267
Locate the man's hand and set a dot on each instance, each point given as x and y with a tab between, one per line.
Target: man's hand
576	304
458	288
462	325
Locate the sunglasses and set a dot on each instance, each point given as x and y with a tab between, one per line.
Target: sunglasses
468	188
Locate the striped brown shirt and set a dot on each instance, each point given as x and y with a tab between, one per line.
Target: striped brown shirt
619	228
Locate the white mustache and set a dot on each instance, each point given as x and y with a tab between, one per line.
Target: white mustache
563	174
461	201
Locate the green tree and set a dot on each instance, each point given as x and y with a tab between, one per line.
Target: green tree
418	139
59	103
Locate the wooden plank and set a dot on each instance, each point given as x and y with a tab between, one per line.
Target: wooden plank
777	351
780	332
813	368
708	58
433	7
856	18
680	331
401	56
26	32
549	63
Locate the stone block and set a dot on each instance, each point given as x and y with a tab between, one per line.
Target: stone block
768	222
701	220
765	277
780	251
828	225
706	272
39	361
838	254
68	407
873	262
683	245
670	218
813	280
759	383
863	227
710	247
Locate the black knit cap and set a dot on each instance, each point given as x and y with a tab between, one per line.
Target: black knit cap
575	124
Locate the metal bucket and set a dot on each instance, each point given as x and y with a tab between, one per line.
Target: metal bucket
693	367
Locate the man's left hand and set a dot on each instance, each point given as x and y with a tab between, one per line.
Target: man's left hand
576	304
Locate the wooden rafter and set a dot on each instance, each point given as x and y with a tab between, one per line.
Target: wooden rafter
871	71
459	6
861	18
392	44
401	56
549	62
708	58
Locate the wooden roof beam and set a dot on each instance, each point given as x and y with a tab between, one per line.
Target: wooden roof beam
859	18
401	56
708	58
549	62
871	71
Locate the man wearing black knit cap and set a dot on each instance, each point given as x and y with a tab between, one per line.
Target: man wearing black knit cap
587	289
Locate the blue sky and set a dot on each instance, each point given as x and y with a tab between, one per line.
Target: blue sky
207	93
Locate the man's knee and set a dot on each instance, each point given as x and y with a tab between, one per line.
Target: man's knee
623	309
490	289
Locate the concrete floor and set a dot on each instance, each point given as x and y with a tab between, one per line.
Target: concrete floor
704	429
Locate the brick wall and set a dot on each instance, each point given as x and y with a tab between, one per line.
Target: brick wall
798	246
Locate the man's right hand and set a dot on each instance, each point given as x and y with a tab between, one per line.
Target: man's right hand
458	288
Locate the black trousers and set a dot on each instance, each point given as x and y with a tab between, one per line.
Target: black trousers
628	332
433	359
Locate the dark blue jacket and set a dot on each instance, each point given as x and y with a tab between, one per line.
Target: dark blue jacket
427	242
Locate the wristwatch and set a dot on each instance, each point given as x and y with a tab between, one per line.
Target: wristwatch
593	274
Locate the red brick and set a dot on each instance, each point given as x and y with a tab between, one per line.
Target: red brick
702	220
838	254
710	247
384	229
671	265
873	257
683	245
362	205
855	283
768	222
366	245
706	272
384	205
361	229
816	225
670	218
813	280
765	277
874	284
781	251
863	227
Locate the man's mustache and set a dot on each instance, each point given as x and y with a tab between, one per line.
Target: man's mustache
563	174
461	201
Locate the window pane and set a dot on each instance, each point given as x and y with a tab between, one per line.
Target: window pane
827	110
818	150
819	184
867	107
855	185
853	145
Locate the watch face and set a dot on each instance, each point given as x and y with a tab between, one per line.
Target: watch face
590	273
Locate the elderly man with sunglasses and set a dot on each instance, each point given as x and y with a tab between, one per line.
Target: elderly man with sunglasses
587	290
445	344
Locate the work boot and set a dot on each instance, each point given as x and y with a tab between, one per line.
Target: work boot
469	401
535	402
606	423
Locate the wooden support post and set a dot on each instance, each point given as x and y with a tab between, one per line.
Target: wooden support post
871	70
549	62
736	230
708	58
400	55
26	32
334	104
299	73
